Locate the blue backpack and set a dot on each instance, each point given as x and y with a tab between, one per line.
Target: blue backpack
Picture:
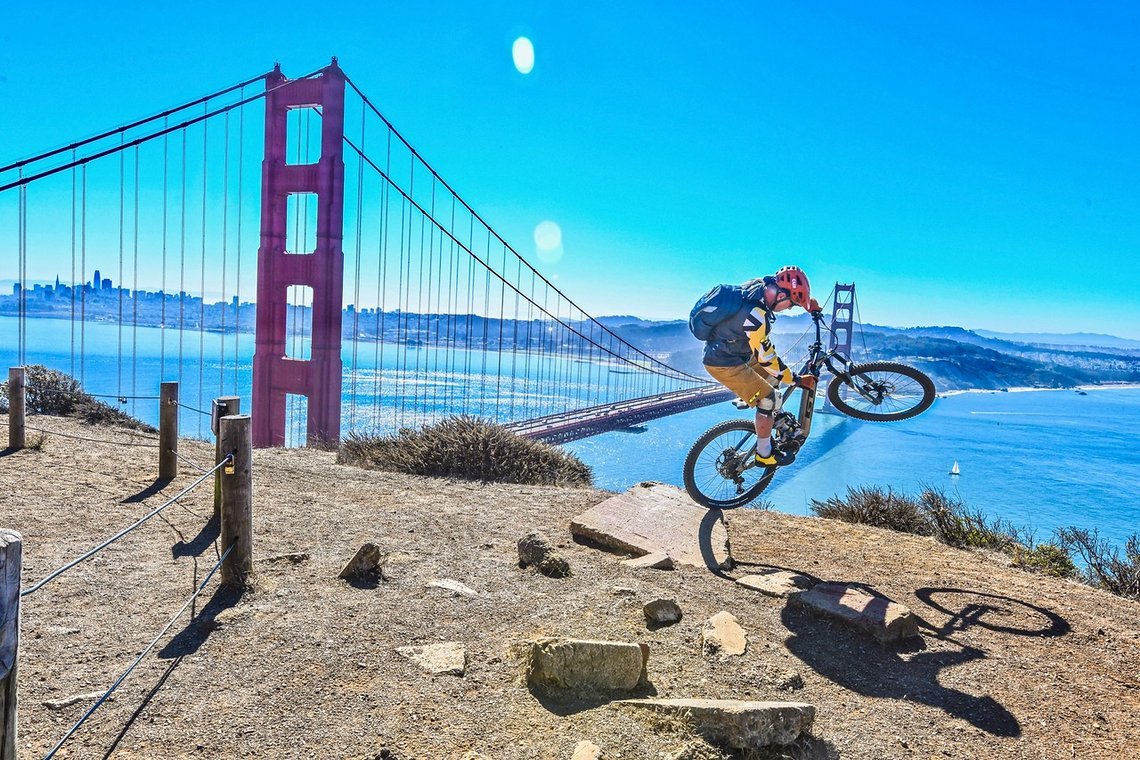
714	307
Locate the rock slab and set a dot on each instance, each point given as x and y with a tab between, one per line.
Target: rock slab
653	518
448	658
723	635
364	565
885	620
450	584
735	723
778	583
574	664
654	561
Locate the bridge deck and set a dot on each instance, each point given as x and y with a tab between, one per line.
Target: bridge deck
582	423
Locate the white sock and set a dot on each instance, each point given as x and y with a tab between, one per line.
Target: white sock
764	447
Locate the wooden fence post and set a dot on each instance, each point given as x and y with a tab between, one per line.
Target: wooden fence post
224	406
11	548
17	408
235	435
168	432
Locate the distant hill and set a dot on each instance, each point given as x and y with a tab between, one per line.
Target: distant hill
1065	339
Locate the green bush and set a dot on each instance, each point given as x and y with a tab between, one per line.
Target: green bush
956	525
875	506
468	448
58	394
1047	559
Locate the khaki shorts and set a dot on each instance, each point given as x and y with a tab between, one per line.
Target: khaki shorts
749	381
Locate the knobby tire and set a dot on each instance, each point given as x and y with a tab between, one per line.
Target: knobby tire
709	480
916	403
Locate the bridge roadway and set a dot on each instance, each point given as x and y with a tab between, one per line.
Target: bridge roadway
582	423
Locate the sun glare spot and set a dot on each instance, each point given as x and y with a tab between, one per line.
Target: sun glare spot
548	241
523	54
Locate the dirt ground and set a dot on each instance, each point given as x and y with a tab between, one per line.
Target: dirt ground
304	665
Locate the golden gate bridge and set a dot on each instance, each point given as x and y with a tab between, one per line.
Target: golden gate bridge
292	209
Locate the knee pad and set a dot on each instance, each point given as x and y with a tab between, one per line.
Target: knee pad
765	404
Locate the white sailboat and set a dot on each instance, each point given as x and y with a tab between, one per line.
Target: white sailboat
954	470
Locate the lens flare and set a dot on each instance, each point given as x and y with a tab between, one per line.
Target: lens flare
548	241
523	54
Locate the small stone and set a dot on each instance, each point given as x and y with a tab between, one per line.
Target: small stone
662	612
886	620
653	560
584	664
59	704
293	558
554	565
585	750
624	591
789	680
451	585
723	635
448	658
364	565
533	549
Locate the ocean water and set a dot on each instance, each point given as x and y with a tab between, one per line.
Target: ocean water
1040	459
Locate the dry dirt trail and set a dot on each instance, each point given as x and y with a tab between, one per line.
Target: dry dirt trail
303	665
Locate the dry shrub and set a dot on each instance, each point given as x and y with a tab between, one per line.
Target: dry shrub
878	507
60	395
468	448
1104	567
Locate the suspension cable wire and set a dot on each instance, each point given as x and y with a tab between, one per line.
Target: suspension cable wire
56	573
356	280
499	351
452	280
135	285
859	321
402	300
381	294
515	345
225	242
142	655
72	283
667	371
486	330
83	282
122	235
127	127
240	203
442	181
22	247
147	138
202	286
165	221
422	335
470	316
182	270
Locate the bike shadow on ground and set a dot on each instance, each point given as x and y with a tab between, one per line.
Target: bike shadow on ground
906	671
705	541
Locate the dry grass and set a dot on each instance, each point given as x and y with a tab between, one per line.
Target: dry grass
57	393
468	448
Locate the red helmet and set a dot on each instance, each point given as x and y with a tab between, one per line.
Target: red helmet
793	280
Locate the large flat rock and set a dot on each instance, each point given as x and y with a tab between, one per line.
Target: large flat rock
736	723
653	518
886	620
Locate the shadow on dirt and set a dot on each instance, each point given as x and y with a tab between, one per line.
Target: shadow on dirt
146	493
189	639
563	704
204	540
910	671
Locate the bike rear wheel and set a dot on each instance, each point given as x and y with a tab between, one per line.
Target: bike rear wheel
719	471
881	392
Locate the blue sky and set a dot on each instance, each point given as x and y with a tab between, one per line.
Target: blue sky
962	164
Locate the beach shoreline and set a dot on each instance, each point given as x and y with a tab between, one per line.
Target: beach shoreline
1029	389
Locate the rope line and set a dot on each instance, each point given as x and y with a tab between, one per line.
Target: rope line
194	409
82	394
106	695
193	464
56	573
92	440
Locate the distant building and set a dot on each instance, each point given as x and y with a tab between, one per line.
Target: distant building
95	282
106	283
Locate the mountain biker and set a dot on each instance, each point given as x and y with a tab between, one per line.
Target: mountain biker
738	349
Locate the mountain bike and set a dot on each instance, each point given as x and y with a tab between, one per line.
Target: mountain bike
721	471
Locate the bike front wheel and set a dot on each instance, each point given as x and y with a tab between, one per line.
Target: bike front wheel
881	392
720	472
